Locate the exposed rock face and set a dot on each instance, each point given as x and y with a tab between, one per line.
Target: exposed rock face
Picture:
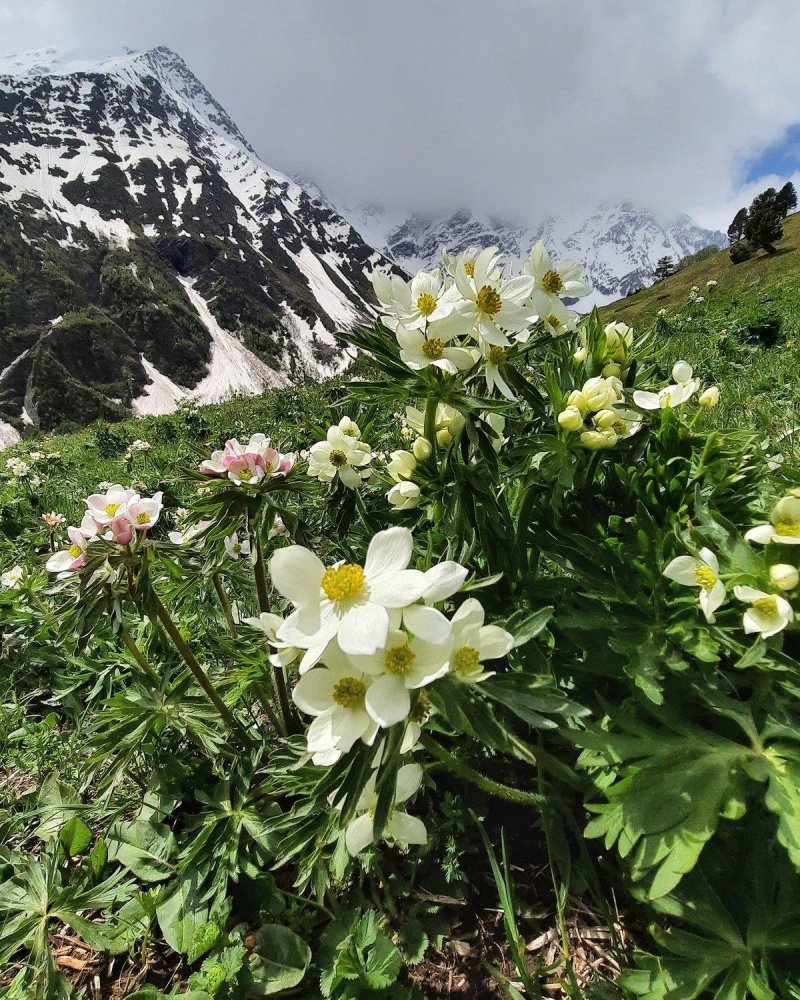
147	254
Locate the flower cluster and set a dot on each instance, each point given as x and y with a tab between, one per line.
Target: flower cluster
118	515
594	412
615	357
469	313
247	464
342	455
372	639
768	612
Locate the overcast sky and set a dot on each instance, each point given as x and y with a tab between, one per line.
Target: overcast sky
520	107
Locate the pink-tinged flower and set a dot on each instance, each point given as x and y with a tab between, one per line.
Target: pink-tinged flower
71	558
187	534
245	470
120	531
105	507
143	512
235	548
53	520
214	466
88	527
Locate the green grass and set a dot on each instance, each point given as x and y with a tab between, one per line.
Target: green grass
673	293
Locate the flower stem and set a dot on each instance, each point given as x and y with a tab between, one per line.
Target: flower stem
162	615
130	644
487	785
429	425
263	604
223	600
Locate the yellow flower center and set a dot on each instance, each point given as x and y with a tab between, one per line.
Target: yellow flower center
426	303
766	606
497	356
421	711
111	509
665	400
75	550
342	583
554	321
789	528
338	458
246	475
142	518
705	577
433	349
552	282
399	660
349	692
466	661
469	267
488	301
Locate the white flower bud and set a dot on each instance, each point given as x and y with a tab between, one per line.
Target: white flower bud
579	356
422	449
710	397
783	576
681	372
604	420
611	370
597	440
401	466
444	437
578	400
599	393
571	419
349	427
404	496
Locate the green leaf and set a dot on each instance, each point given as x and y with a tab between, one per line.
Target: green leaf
783	798
278	962
144	847
75	836
181	914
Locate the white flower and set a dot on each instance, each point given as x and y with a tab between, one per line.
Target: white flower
141	446
235	548
497	426
109	506
402	465
54	520
340	455
784	576
619	340
449	422
414	304
494	360
702	573
472	643
12	578
432	346
71	558
682	372
554	281
403	665
346	600
768	614
185	535
400	826
404	496
421	449
711	283
666	398
334	694
598	393
349	427
709	397
553	313
466	259
784	526
285	655
571	419
144	512
491	304
18	468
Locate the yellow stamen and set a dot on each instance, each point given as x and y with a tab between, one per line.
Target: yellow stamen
338	458
791	529
426	303
497	356
75	550
554	321
466	661
246	475
399	660
766	606
142	518
421	710
111	508
469	267
552	282
349	692
488	301
433	349
705	577
342	583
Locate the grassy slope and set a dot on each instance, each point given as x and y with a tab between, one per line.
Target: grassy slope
673	292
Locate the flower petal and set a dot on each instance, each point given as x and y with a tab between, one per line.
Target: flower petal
682	570
409	778
363	629
407	829
297	574
313	693
426	623
388	701
388	552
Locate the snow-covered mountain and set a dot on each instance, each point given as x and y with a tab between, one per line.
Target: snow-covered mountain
620	244
147	254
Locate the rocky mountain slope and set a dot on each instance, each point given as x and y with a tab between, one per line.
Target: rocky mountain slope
620	244
147	254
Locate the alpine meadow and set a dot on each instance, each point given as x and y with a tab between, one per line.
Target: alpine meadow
372	631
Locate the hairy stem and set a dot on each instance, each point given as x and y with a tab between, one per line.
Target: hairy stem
263	604
487	785
130	644
162	615
223	600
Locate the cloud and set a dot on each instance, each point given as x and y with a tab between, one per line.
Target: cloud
517	107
